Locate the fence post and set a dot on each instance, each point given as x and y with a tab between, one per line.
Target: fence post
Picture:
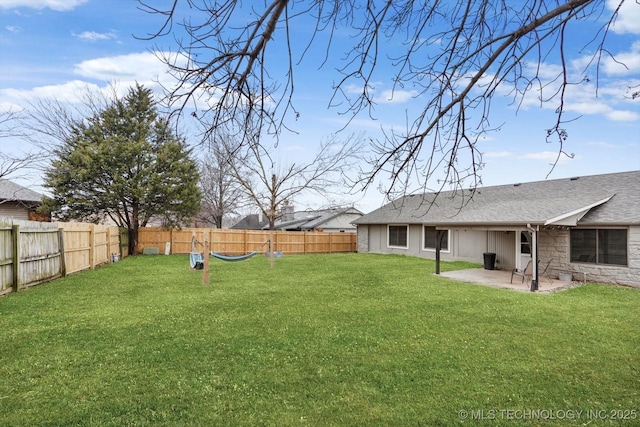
91	246
63	261
15	230
205	264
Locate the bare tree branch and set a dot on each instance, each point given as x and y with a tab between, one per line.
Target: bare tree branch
455	55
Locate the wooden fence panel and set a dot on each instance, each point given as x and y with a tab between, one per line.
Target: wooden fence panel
30	254
240	242
101	253
6	255
87	246
290	242
77	246
40	254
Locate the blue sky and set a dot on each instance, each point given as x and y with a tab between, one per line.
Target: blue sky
52	48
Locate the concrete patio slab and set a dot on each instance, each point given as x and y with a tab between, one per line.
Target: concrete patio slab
502	279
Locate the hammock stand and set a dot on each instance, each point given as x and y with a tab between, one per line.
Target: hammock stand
196	258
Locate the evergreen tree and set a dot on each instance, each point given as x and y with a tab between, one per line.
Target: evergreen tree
124	163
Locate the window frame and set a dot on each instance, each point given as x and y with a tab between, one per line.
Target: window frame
406	227
597	250
433	249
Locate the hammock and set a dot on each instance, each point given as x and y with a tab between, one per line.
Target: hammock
234	258
196	259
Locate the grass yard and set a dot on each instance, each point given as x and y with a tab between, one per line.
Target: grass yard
321	340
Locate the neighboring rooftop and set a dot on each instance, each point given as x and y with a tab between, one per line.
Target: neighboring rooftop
10	191
251	222
301	220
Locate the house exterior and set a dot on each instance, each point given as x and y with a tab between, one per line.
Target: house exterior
588	226
19	202
333	219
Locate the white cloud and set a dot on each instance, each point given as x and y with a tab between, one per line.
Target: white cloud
624	62
13	28
628	20
379	95
6	107
69	92
588	107
92	36
623	116
142	67
59	5
396	96
550	157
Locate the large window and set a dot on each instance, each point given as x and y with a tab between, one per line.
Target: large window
602	246
431	236
397	236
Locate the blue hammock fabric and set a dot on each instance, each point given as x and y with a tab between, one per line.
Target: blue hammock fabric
234	258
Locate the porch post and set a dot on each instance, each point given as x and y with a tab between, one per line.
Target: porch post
439	237
534	258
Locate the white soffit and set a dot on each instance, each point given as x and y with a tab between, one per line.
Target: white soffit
571	218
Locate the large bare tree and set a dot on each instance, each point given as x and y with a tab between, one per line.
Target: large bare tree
455	55
271	184
222	194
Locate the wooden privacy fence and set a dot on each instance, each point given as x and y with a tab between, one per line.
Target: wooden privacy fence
30	253
35	252
87	246
239	242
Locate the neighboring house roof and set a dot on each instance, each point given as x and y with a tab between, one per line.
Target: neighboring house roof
251	222
610	199
310	220
10	191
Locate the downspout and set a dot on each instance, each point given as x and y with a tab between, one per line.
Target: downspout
534	256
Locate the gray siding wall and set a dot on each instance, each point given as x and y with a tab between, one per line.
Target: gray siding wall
464	245
14	210
342	222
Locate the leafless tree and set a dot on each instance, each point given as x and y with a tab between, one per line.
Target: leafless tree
454	54
222	195
51	121
11	163
270	184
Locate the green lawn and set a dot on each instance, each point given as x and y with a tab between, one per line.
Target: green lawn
321	340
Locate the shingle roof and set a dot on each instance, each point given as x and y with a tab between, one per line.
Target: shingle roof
591	200
251	222
11	191
308	220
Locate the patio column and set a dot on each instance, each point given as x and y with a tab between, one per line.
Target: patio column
534	257
439	237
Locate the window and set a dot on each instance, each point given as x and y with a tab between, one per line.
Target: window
397	236
430	239
602	246
525	243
